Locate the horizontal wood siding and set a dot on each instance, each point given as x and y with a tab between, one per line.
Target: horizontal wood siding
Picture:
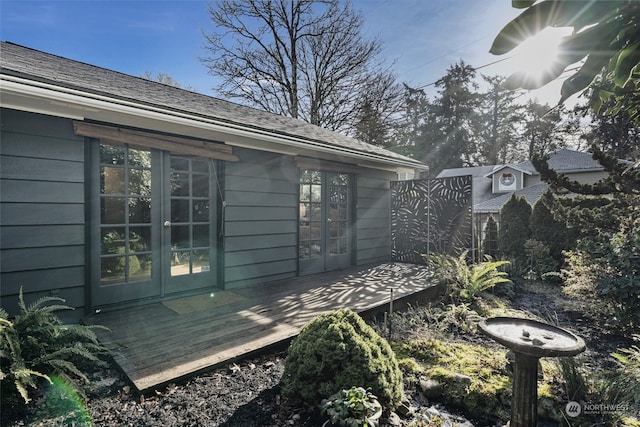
260	219
42	244
373	213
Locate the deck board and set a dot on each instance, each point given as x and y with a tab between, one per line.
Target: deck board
154	345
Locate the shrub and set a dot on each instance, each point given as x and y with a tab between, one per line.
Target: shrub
540	260
337	351
514	229
490	242
551	231
35	346
623	386
465	281
355	407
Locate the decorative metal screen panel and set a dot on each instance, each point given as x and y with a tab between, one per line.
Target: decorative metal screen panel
430	216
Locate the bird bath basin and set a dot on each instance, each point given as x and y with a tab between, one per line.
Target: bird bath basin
529	340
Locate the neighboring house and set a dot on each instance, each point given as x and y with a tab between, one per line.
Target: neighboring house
116	190
494	185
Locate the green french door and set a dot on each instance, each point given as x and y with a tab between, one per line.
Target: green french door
189	225
324	236
153	232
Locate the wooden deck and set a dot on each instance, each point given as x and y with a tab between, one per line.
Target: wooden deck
167	341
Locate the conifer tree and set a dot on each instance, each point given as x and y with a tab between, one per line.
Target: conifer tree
490	242
551	231
514	230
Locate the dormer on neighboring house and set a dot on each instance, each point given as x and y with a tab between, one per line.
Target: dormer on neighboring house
507	178
493	185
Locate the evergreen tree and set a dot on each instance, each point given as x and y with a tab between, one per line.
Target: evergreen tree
449	133
500	116
514	230
490	242
551	231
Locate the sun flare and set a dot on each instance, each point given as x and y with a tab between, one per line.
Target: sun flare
538	54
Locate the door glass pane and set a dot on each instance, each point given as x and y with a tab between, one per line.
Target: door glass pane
200	185
112	155
112	210
141	158
201	210
125	176
139	210
200	261
179	163
180	236
112	180
200	236
180	210
316	249
140	182
140	267
180	261
140	239
180	184
112	270
112	241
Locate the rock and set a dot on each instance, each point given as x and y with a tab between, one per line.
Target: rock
463	379
432	389
394	420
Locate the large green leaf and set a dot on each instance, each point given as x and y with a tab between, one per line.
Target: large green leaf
552	13
628	59
589	70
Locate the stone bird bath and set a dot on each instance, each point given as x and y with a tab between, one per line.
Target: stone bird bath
529	340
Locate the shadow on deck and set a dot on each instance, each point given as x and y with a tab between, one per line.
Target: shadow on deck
167	341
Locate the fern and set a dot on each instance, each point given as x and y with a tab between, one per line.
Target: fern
36	346
466	281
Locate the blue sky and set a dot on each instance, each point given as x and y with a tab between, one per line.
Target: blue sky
421	38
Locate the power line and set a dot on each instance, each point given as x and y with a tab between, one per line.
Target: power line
496	62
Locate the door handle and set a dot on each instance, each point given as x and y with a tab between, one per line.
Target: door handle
167	224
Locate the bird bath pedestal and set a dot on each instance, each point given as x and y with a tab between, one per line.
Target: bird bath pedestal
529	340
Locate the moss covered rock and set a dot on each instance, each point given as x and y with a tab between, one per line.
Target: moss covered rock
336	351
473	378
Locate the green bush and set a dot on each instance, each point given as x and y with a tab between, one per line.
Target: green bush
490	241
623	385
540	260
551	231
35	346
464	282
355	407
514	230
337	351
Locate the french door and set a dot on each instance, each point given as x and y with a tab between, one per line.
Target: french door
153	224
324	239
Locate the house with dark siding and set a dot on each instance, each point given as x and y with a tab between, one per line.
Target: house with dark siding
117	191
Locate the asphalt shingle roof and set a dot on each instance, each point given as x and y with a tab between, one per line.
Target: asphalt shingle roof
32	64
565	160
531	193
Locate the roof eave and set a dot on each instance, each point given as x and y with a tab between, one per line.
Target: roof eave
40	97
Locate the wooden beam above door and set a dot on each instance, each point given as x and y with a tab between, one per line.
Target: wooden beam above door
173	143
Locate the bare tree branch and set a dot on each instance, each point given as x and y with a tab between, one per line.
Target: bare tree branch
300	58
